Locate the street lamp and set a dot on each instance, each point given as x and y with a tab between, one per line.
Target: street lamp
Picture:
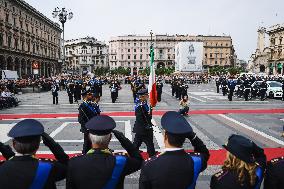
63	15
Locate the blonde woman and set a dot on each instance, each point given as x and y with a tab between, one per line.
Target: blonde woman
184	106
243	167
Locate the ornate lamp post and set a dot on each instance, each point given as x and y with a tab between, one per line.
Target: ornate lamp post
63	15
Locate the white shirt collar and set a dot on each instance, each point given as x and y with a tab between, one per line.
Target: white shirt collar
172	149
18	154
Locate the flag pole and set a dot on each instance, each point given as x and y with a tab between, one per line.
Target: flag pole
152	80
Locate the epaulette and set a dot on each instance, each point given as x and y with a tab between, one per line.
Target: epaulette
151	159
46	159
77	155
194	153
220	174
120	154
277	160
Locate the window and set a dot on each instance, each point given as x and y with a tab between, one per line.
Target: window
140	44
9	41
141	50
14	21
135	57
128	50
129	64
161	51
5	4
128	57
122	57
23	45
21	24
169	50
141	56
16	44
216	62
134	50
205	55
7	17
134	44
27	27
210	55
1	39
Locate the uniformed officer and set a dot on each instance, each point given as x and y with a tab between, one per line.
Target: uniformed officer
86	112
133	86
114	87
24	170
143	126
263	88
175	168
243	167
70	91
178	89
247	89
54	90
100	86
184	88
100	168
224	86
159	90
274	177
231	86
77	91
218	84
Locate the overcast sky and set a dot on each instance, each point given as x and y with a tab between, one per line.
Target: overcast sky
103	19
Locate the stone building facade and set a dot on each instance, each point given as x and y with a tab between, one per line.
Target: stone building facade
132	51
29	41
269	55
85	54
276	58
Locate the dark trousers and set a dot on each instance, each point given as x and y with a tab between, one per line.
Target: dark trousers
113	97
217	88
262	94
70	99
173	91
224	91
230	95
246	94
55	99
148	140
87	143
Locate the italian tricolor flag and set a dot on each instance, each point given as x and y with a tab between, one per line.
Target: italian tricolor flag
152	80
